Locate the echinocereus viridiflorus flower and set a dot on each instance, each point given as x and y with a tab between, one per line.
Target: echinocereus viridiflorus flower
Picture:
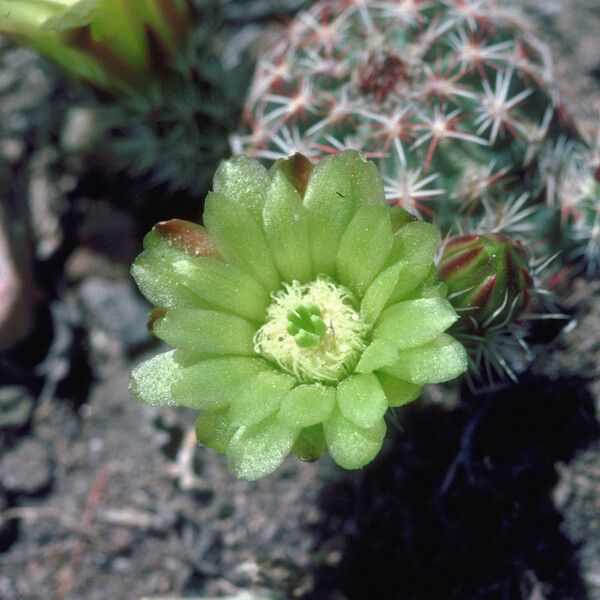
302	310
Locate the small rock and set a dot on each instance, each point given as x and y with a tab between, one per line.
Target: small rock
114	308
16	405
26	469
80	130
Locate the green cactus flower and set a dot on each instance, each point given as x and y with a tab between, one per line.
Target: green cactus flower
303	310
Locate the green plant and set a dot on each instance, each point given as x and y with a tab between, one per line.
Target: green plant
299	315
169	75
456	101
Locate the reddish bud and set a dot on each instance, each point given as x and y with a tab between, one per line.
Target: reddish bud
487	275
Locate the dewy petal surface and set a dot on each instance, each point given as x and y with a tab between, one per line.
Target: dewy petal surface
307	405
258	397
206	331
150	382
397	391
245	181
364	247
415	322
214	430
223	286
240	239
361	400
379	353
153	273
379	292
208	384
258	450
415	245
352	447
286	229
330	206
440	360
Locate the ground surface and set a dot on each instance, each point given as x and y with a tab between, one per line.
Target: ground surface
101	498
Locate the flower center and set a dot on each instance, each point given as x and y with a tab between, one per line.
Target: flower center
313	331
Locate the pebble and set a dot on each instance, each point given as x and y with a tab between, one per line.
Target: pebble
27	468
16	405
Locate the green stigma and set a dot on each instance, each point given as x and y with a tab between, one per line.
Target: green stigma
306	324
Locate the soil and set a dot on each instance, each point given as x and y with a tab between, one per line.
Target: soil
493	497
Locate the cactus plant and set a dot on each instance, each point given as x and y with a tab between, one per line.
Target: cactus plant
453	98
303	311
457	102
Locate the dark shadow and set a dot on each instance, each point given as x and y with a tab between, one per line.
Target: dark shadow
458	505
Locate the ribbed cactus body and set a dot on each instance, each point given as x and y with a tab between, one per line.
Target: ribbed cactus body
454	98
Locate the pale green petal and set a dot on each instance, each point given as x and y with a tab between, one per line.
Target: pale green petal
258	450
415	322
214	430
223	286
379	353
307	405
205	331
442	359
329	205
209	384
153	273
365	179
364	247
244	181
350	446
415	245
310	444
240	239
379	292
150	382
397	391
286	229
361	400
259	396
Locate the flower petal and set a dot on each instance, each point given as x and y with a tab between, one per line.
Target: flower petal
205	331
379	353
415	322
361	400
442	359
365	179
214	430
379	292
258	450
244	181
286	229
415	244
150	382
364	247
397	391
209	384
307	405
153	273
239	238
352	447
223	286
310	444
329	205
258	397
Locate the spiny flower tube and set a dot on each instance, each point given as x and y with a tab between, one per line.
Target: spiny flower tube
300	313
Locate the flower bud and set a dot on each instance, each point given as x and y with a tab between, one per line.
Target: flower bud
487	277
